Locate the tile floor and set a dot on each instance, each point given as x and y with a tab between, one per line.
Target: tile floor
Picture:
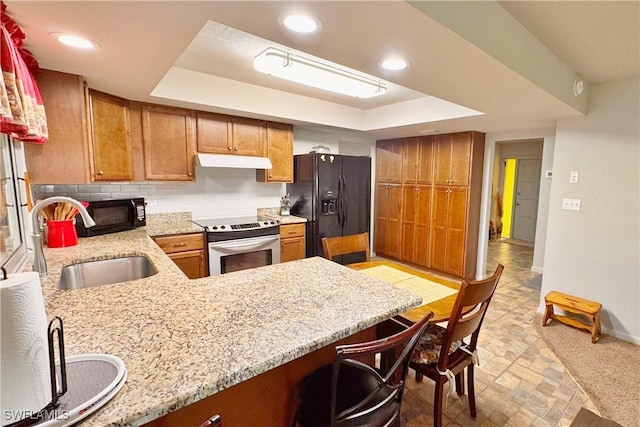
519	381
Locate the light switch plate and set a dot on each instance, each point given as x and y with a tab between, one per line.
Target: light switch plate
571	204
574	177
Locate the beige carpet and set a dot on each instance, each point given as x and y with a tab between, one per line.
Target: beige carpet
608	371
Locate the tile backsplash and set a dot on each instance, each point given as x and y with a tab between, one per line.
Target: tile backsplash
216	193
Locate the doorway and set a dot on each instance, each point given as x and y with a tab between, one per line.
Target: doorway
516	188
521	186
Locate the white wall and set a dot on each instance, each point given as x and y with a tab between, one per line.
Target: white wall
594	253
537	265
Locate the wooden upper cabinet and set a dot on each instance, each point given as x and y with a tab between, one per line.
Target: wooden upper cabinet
169	143
64	98
452	158
110	137
222	134
280	152
417	160
214	133
389	161
249	136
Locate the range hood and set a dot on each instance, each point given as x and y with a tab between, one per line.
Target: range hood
233	161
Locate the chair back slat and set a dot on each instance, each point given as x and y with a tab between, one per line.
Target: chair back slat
335	246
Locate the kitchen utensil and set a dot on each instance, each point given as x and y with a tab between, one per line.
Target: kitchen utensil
65	211
27	184
48	212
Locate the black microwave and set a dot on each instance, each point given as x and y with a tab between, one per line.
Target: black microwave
112	216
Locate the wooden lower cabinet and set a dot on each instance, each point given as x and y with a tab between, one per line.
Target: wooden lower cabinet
448	240
292	242
416	212
187	251
388	219
268	399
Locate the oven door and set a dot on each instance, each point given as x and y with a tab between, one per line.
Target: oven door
242	254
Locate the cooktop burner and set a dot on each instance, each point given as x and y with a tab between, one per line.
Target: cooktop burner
214	225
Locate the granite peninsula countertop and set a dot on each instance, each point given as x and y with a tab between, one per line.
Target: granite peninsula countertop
183	340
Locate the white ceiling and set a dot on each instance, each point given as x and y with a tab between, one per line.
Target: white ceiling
514	62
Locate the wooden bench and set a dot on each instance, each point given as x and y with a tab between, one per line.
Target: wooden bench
577	305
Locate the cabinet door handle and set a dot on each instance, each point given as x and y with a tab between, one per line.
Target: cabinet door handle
229	148
99	173
235	149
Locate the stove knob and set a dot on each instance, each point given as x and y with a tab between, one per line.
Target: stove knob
273	222
215	227
222	227
266	223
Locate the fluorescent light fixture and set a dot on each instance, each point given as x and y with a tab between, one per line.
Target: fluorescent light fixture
75	41
316	74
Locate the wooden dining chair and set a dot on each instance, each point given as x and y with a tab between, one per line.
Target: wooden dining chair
442	354
344	245
365	384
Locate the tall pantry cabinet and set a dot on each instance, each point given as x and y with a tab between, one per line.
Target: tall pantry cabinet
388	197
438	205
417	180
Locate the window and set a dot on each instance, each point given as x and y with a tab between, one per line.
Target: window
13	212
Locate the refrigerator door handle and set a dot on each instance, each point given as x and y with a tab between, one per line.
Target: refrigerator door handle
345	200
339	201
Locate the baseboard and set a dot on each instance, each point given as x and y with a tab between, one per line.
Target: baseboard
538	270
621	335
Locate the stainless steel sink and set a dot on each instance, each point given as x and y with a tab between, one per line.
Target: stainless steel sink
104	272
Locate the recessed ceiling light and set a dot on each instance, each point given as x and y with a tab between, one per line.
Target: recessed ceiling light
394	64
75	41
301	24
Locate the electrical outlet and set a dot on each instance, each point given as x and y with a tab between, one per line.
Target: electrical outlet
571	204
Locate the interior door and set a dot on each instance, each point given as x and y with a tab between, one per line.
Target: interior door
526	199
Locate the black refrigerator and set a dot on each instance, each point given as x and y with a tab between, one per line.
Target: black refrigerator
333	192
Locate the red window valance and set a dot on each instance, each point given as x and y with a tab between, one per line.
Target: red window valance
22	112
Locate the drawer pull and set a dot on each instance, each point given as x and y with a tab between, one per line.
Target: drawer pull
180	245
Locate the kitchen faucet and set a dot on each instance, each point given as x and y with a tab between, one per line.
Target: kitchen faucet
39	263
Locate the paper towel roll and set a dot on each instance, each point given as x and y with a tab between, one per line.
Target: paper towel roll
24	351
